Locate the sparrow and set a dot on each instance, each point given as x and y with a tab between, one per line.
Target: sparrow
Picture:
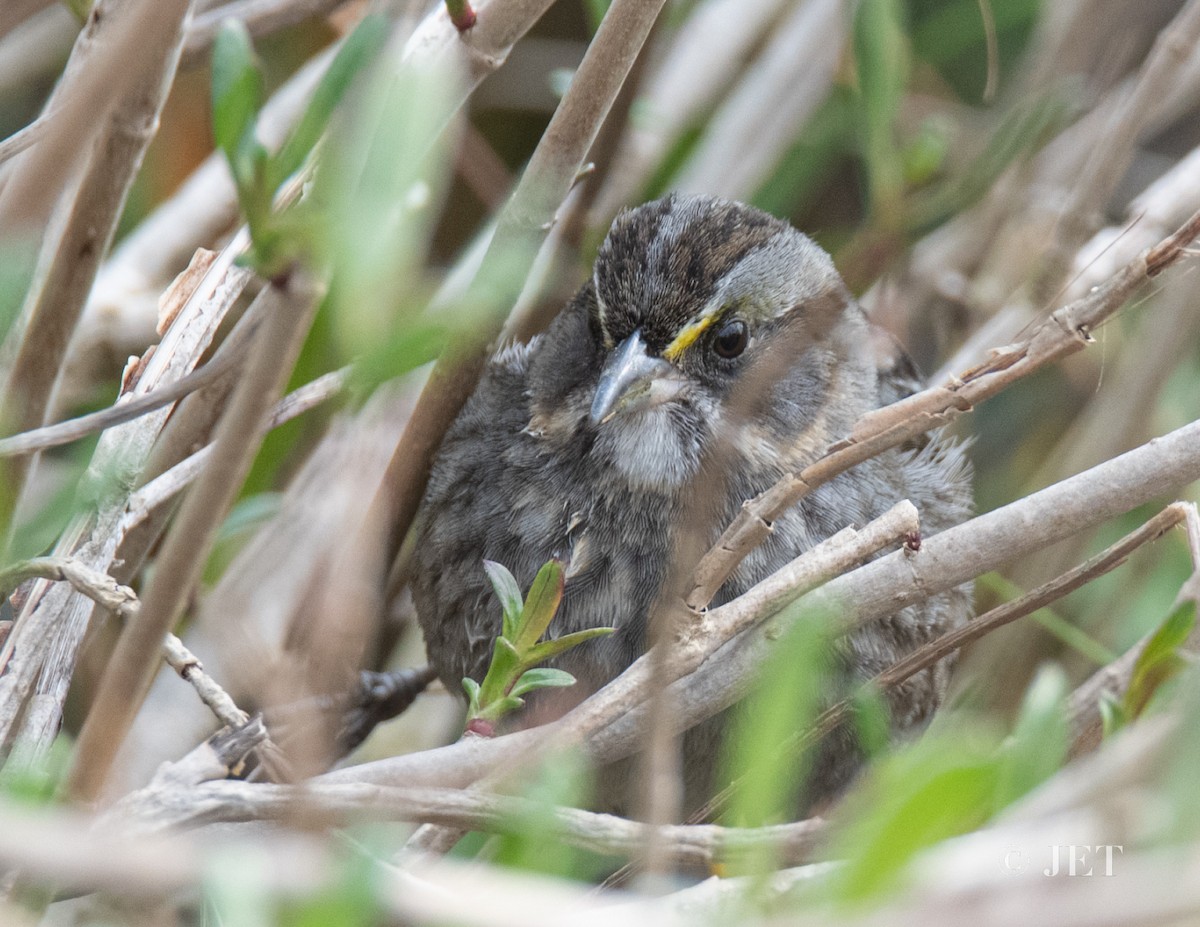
713	350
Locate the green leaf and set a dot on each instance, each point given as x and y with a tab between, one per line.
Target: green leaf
506	665
1038	745
405	347
541	605
382	176
530	839
347	895
911	803
872	721
471	687
882	57
1112	714
547	650
1160	659
762	755
544	678
358	50
237	89
509	594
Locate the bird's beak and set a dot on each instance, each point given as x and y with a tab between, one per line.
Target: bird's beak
632	379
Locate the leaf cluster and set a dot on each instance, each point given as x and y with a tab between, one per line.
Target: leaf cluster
278	237
515	668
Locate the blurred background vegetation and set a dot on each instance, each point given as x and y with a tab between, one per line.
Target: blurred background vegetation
944	151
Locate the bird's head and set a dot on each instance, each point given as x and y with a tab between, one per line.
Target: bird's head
703	318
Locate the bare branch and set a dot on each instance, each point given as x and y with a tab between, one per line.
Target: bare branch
65	432
26	137
226	802
1108	559
122	601
548	177
166	485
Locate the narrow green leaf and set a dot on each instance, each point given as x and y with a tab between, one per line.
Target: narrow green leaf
541	605
761	755
529	839
548	650
509	594
882	56
1160	659
505	667
938	800
237	88
471	687
358	50
544	678
872	721
1038	745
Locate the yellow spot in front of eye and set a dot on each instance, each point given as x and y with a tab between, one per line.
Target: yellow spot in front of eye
687	336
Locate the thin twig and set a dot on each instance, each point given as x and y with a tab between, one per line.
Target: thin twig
1083	710
26	137
72	430
1107	560
228	802
123	602
166	485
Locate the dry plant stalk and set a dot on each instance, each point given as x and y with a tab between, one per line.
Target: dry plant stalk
99	89
290	304
38	657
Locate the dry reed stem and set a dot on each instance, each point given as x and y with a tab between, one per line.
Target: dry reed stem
290	308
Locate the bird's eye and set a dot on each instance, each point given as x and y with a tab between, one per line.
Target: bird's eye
731	339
